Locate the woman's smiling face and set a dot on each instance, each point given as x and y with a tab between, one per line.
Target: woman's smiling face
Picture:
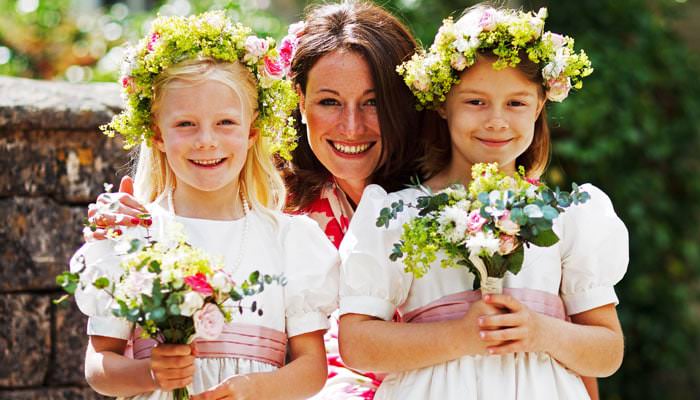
341	116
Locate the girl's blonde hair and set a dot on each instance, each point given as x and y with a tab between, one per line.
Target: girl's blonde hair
259	180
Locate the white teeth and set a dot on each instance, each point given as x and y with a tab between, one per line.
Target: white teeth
207	162
351	149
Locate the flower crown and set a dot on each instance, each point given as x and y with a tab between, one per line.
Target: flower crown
209	35
504	33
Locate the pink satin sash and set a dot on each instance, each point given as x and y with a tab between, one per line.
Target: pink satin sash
237	340
454	306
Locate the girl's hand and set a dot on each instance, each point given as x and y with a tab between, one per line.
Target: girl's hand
476	311
241	387
518	329
126	212
172	366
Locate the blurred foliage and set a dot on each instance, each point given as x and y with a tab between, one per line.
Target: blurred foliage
63	39
634	131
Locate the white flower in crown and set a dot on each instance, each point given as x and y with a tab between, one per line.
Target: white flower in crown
469	25
557	65
558	41
216	21
488	20
296	28
255	48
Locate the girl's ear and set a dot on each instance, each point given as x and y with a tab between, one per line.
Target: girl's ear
254	132
158	138
540	106
302	103
442	111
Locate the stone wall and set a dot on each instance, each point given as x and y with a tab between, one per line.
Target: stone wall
53	162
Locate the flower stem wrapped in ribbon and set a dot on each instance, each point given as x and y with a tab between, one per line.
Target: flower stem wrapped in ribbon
482	227
505	34
173	291
209	35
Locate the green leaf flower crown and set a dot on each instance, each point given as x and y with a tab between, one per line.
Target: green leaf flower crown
504	33
209	35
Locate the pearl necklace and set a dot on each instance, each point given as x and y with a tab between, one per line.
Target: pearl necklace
246	210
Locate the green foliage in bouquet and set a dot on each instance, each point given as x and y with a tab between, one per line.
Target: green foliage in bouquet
492	219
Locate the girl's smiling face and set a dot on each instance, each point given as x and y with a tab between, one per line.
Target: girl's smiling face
205	132
491	116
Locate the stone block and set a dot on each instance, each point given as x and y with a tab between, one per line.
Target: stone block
49	139
25	339
37	239
69	166
69	343
49	393
54	105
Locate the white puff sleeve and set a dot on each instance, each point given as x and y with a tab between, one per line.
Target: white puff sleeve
311	269
370	283
595	253
95	260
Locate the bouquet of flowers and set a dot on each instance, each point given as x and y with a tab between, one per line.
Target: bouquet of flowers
482	227
172	290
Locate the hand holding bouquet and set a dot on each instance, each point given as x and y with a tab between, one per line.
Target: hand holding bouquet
483	227
175	292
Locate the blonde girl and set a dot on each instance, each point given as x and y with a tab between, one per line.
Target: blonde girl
207	104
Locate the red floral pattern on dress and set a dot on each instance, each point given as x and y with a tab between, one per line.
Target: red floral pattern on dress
321	212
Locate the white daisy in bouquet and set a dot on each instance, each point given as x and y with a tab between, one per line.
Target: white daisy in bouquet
483	227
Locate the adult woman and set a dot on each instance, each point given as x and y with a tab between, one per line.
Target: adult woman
358	117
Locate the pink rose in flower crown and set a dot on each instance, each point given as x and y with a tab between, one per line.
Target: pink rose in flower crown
199	284
152	41
507	244
488	20
128	83
273	69
475	221
507	225
208	322
558	89
287	49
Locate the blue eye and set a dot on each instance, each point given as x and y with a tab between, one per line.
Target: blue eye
228	122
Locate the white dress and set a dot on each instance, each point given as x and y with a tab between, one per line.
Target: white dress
296	247
582	268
